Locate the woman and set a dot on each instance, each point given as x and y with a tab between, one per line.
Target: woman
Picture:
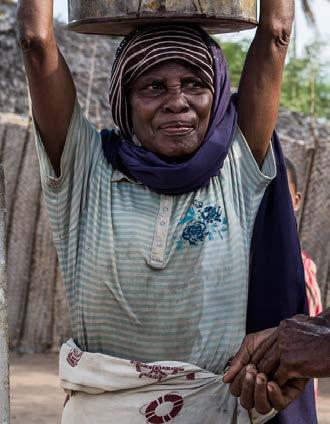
153	225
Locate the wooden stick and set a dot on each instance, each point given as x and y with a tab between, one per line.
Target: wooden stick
4	354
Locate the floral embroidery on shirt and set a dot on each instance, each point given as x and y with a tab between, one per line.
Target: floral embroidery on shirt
202	222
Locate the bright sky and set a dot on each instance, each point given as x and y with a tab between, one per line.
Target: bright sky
305	32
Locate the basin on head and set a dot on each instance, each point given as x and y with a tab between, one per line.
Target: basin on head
119	17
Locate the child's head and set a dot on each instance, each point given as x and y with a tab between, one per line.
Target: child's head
293	185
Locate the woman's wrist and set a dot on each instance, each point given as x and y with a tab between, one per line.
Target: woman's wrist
277	16
35	19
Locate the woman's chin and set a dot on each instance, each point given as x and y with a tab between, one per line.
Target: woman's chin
177	149
176	155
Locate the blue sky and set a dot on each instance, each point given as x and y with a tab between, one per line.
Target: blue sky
305	32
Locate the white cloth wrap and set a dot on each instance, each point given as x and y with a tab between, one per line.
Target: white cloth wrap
104	390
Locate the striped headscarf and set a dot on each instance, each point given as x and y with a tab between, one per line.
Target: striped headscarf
150	46
144	48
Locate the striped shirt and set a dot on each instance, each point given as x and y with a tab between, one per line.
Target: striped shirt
153	277
312	287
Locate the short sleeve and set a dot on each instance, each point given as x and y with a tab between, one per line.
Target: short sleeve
66	196
246	181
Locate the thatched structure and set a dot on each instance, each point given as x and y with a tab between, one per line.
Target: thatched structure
38	316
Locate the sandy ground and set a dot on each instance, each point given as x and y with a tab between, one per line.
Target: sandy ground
37	399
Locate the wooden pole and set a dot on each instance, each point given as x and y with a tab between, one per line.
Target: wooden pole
4	354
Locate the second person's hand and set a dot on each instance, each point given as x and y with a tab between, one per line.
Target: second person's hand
256	391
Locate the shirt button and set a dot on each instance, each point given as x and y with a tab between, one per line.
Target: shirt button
162	222
165	209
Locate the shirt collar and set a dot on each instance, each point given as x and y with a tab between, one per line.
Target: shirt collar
118	176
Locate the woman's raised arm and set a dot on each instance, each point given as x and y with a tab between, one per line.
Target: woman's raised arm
260	86
51	85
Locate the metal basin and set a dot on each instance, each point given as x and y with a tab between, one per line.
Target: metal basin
119	17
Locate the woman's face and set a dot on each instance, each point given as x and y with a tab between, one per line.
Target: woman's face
171	108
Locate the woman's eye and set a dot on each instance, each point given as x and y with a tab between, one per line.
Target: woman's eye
155	86
193	84
152	88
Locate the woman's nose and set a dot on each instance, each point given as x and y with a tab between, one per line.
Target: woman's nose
175	102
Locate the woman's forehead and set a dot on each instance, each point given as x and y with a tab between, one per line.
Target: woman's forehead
169	67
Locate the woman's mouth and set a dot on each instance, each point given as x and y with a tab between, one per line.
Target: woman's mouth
176	128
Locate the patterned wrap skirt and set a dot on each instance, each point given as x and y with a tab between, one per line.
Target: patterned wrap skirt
103	389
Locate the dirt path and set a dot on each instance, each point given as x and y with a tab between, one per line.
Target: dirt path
323	404
37	399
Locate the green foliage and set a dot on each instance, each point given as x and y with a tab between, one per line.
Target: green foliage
306	82
235	54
